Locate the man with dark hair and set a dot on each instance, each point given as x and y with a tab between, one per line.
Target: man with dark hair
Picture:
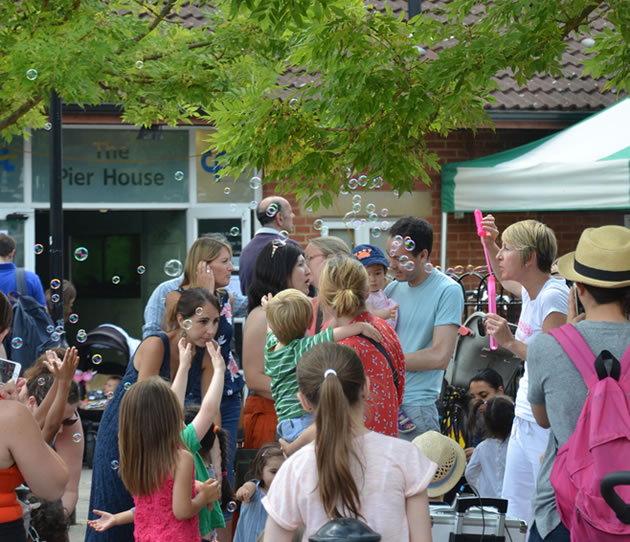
275	215
430	307
8	282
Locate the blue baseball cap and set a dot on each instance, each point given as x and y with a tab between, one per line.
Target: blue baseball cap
370	255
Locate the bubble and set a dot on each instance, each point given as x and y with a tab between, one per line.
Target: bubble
293	103
356	208
41	381
187	324
31	74
343	191
470	268
97	359
199	311
114	464
227	190
17	343
139	64
109	394
38	248
48	126
384	212
377	182
234	231
318	224
385	225
356	198
127	386
375	232
55	298
80	254
50	329
76	438
325	230
392	252
396	193
458	269
403	259
410	244
428	267
179	175
59	329
231	506
253	205
372	217
255	182
449	270
141	270
284	235
348	172
81	336
409	266
173	268
115	279
272	209
363	180
353	184
55	337
73	318
55	284
348	217
370	207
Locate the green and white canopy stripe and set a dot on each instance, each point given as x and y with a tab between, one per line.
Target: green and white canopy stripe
586	166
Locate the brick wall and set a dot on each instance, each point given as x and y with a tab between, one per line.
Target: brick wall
463	247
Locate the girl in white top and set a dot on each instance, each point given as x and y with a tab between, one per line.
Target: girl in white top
523	265
486	467
348	471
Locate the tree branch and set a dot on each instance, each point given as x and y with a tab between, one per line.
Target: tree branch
19	112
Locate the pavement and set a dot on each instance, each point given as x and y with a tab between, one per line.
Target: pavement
77	532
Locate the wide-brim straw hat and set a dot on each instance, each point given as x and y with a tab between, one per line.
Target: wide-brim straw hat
602	258
450	458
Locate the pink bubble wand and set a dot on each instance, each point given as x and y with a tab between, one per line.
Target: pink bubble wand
492	293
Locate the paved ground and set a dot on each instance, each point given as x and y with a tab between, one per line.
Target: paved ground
77	532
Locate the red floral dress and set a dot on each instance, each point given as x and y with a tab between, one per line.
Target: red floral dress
381	409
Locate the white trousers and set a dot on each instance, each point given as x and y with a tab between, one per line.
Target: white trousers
528	442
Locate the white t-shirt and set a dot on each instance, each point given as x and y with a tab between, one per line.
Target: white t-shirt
393	470
486	467
553	297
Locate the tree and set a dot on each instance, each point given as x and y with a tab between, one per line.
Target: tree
371	86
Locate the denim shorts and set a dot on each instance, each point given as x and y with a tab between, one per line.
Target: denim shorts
292	428
424	416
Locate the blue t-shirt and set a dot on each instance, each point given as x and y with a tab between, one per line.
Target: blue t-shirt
436	302
33	284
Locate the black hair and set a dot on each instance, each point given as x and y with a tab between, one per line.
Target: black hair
490	376
418	229
272	270
603	296
498	417
264	216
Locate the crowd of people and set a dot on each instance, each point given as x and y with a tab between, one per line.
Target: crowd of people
343	360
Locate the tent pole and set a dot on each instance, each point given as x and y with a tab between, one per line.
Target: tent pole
443	241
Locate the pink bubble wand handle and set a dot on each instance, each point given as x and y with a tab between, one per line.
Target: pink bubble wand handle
492	297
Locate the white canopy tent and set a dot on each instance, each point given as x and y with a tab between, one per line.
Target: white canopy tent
584	167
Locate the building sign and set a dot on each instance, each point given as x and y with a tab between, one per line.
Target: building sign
211	187
101	166
12	170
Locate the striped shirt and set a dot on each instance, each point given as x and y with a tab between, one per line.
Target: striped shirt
281	366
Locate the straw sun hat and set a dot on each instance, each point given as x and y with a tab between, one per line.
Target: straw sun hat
450	458
602	258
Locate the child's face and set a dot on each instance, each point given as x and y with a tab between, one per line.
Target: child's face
202	326
270	469
111	385
376	277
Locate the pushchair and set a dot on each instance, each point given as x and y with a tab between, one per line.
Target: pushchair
115	348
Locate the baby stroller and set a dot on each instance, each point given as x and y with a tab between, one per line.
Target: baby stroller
106	351
472	354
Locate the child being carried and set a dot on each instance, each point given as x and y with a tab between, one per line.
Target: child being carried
289	316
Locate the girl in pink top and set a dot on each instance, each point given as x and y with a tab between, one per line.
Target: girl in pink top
157	468
348	471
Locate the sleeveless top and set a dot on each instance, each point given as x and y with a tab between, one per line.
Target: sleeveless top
10	508
154	520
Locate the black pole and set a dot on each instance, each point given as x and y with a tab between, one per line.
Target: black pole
414	8
56	205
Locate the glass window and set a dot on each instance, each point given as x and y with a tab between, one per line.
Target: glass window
12	170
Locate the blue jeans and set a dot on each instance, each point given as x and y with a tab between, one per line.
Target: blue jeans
559	534
425	417
292	428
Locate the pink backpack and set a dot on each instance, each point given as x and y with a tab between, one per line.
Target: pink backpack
600	444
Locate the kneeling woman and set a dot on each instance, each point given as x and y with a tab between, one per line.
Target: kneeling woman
378	479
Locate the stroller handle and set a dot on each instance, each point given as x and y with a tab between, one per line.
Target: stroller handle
607	487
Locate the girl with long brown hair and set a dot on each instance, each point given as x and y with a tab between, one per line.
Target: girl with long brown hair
348	471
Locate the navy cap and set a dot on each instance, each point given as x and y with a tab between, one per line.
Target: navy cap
370	255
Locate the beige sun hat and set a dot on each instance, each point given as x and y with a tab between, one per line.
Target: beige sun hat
450	458
602	258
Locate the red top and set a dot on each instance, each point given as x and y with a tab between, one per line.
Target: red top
381	408
10	509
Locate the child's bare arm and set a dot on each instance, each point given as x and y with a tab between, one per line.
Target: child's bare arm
308	435
107	521
64	373
246	492
357	328
181	377
209	411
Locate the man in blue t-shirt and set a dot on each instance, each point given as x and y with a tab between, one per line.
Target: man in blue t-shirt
7	272
430	307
